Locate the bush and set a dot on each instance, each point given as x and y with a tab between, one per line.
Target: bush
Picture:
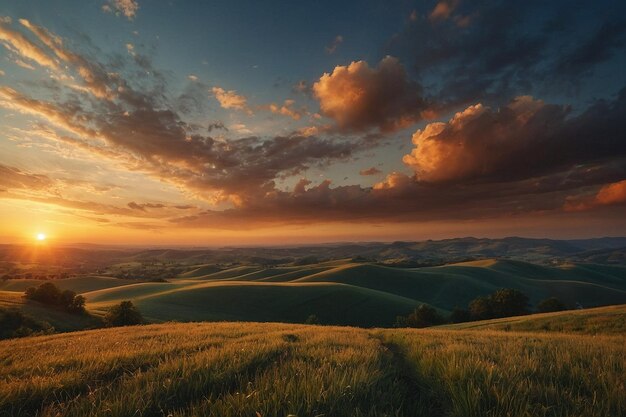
550	304
459	315
123	314
423	316
480	308
506	302
48	293
312	319
13	323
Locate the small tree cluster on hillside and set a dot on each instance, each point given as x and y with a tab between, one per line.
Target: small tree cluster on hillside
13	323
123	314
48	293
423	316
550	305
505	302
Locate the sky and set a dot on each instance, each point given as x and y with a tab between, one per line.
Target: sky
267	123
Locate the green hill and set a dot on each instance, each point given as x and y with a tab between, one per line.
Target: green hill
340	292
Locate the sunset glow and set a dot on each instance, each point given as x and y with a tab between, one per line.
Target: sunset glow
218	124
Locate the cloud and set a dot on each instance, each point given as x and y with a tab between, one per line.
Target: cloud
14	178
127	8
216	125
370	171
521	139
500	49
332	48
286	109
18	43
98	82
607	195
144	206
230	99
358	97
527	156
443	10
599	47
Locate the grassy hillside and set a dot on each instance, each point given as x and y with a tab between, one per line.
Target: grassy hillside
340	292
59	319
601	320
253	369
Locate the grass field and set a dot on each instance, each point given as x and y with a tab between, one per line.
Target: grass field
338	292
256	369
601	320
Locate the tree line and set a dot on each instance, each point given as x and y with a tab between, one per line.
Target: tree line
506	302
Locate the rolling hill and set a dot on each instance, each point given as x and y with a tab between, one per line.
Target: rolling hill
340	292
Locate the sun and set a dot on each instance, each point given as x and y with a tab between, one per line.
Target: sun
41	237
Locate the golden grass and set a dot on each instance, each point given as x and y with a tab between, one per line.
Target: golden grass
254	369
600	320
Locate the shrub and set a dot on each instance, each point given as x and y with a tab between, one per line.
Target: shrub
459	315
123	314
550	304
480	308
422	316
506	302
13	323
312	319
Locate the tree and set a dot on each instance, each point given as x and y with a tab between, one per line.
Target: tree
123	314
423	316
46	293
508	302
459	315
550	304
480	308
77	305
13	323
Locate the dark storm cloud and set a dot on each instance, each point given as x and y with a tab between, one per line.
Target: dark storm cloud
495	49
524	138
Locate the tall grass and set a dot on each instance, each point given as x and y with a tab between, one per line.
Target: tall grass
487	373
254	369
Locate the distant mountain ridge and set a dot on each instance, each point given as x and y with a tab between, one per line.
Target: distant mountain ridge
607	250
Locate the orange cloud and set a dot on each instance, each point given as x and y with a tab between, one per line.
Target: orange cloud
443	9
19	44
230	99
395	180
94	77
286	109
481	142
358	97
608	195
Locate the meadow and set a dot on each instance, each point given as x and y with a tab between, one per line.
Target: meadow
264	369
